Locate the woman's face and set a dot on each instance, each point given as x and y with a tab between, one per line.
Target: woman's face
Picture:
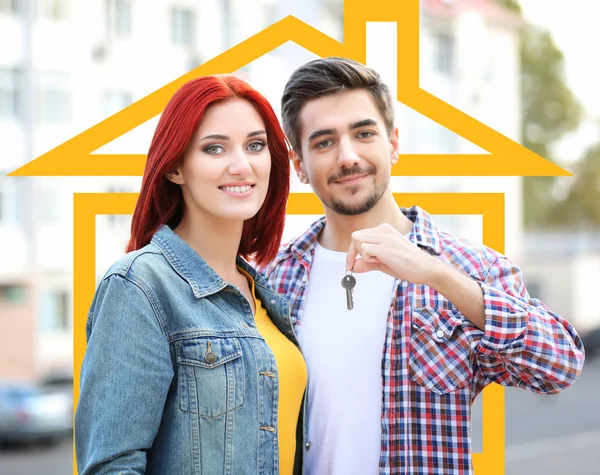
225	172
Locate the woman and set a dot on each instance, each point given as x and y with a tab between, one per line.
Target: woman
184	372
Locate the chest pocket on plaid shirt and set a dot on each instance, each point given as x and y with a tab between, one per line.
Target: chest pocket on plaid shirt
440	354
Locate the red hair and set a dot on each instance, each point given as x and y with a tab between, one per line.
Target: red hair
161	201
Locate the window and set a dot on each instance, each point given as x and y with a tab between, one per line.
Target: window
270	13
182	26
52	9
118	17
10	93
444	53
54	311
10	193
114	101
3	196
54	105
8	6
49	205
13	294
447	140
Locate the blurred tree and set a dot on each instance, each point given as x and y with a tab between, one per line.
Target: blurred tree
549	111
582	204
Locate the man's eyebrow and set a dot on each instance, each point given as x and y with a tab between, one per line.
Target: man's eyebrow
352	126
363	123
319	133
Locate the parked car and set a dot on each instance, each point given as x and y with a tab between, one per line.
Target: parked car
59	381
29	413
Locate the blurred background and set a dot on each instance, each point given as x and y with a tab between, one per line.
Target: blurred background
524	68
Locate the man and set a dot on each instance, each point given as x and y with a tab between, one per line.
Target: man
434	318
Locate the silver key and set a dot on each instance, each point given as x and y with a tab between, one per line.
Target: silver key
348	283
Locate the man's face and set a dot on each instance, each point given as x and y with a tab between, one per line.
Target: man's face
347	154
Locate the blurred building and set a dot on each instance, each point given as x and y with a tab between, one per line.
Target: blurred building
470	58
562	269
73	64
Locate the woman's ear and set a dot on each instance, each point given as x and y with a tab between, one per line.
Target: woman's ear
175	176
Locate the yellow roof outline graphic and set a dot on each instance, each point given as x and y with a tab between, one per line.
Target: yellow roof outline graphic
506	157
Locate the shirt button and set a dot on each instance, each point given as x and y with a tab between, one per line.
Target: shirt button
210	357
294	319
440	333
303	278
273	301
308	444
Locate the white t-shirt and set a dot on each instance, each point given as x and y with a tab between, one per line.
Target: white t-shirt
343	351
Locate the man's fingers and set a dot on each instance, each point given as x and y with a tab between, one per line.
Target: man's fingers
351	256
367	250
364	265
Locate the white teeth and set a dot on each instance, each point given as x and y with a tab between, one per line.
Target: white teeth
237	189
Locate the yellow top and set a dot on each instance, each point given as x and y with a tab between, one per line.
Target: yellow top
292	374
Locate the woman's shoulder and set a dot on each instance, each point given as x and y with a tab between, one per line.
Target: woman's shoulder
140	264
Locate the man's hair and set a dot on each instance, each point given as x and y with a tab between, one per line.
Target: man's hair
326	76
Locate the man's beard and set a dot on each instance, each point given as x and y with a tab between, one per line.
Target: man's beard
352	209
346	209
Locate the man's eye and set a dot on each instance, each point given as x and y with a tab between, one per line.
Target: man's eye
365	135
324	143
256	146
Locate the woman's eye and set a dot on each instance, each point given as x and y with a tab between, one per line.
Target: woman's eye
213	149
256	146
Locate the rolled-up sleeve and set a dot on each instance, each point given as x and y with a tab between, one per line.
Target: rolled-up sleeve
525	344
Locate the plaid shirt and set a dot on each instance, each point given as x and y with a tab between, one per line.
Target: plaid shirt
435	362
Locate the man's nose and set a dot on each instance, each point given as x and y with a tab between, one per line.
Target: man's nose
347	156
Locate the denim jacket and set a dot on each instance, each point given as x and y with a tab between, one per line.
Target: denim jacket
175	376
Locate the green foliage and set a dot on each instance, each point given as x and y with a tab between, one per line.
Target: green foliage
582	205
549	110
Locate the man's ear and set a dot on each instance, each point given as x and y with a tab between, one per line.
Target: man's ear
394	146
175	176
299	167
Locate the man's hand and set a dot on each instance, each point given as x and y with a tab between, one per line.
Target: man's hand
383	248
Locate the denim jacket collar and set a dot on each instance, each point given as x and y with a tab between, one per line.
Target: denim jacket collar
193	268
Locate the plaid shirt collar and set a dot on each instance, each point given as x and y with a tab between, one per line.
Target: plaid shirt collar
424	234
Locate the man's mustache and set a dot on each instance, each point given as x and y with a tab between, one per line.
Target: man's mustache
346	172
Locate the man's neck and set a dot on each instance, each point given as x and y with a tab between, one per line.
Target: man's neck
336	235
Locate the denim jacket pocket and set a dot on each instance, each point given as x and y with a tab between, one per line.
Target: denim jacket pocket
440	353
211	375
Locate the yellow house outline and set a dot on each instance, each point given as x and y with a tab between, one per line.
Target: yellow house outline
75	157
489	205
